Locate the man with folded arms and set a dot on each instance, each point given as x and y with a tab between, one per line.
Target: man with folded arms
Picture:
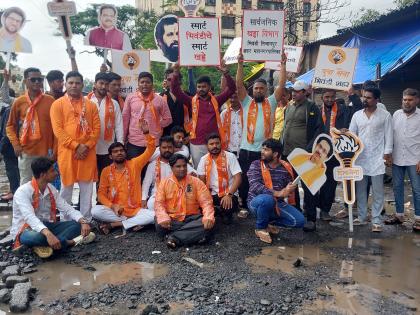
36	206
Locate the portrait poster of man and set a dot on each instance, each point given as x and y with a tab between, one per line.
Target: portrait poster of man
311	167
166	37
107	35
12	21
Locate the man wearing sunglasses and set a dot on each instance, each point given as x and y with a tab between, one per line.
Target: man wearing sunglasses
29	127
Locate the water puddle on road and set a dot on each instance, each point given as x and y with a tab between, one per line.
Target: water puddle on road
57	279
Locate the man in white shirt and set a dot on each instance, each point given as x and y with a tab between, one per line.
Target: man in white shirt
111	120
373	125
220	171
35	216
157	170
232	120
406	155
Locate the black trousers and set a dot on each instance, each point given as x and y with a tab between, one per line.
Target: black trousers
245	159
190	231
12	171
102	161
225	212
327	191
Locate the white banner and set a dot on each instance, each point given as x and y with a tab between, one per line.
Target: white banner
335	67
232	52
128	64
199	41
262	35
293	54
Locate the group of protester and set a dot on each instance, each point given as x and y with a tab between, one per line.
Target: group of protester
178	159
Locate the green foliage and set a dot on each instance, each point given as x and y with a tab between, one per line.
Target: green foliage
365	16
405	3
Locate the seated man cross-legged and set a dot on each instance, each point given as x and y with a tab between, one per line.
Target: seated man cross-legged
36	206
177	206
270	182
120	188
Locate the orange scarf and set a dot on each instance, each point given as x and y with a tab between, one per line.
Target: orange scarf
195	104
252	120
35	205
120	101
80	114
158	173
148	102
30	127
115	184
179	200
222	172
333	115
109	117
227	122
187	120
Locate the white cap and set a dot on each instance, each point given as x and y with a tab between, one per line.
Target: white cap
300	85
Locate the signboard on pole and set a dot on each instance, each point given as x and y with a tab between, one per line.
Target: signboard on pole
199	41
262	35
128	64
67	8
293	54
335	67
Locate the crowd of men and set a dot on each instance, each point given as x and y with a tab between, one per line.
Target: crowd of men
179	159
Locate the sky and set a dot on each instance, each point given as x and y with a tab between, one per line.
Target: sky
49	51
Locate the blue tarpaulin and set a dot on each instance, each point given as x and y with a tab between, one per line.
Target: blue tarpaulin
392	49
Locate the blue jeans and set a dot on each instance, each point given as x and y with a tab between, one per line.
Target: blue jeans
377	196
263	208
398	174
64	231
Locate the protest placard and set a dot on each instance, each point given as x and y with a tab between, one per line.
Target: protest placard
128	64
262	35
232	52
199	41
335	67
293	54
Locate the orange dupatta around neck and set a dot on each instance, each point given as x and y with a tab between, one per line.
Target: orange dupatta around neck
252	119
222	172
30	126
148	102
109	123
114	183
227	119
333	115
35	205
80	114
179	199
195	104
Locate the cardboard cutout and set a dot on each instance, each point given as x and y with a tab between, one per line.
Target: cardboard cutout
347	147
311	167
166	38
106	35
12	20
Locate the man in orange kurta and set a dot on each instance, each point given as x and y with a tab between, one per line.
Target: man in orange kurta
178	202
120	188
29	125
76	124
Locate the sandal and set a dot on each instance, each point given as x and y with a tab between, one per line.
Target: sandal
137	228
105	228
358	222
273	229
7	196
416	226
342	214
43	251
376	228
264	236
393	220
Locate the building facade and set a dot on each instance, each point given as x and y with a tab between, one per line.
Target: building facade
298	22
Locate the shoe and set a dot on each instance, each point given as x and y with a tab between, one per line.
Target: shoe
325	216
243	214
273	229
264	236
393	220
376	228
43	251
358	222
7	196
80	240
342	214
416	226
310	226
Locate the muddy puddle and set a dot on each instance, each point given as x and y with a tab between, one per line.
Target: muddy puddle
387	268
57	279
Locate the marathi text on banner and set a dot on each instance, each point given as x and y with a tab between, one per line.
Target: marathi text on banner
199	43
293	54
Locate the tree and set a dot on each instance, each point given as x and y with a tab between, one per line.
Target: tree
405	3
365	16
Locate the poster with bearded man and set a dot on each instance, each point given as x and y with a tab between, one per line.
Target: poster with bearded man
107	35
166	37
12	21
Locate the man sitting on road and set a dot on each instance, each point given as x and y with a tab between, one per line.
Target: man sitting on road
220	171
120	188
270	182
178	202
35	217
